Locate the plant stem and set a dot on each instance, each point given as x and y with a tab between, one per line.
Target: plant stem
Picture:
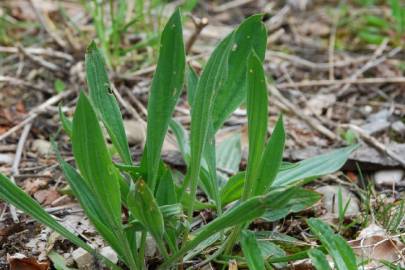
142	249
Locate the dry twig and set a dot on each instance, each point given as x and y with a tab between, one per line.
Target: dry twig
340	82
16	163
35	112
375	143
312	122
199	26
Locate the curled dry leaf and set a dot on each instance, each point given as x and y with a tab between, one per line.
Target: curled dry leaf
20	262
373	243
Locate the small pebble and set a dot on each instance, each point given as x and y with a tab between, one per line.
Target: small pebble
330	200
135	131
42	147
398	127
83	259
388	177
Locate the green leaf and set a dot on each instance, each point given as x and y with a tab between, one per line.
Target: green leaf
144	207
270	250
272	159
182	139
250	36
314	167
59	86
12	194
209	170
370	37
292	174
166	191
229	154
58	261
104	101
92	208
318	259
201	124
232	190
218	89
66	123
336	246
166	88
192	81
94	161
240	214
256	103
251	251
305	199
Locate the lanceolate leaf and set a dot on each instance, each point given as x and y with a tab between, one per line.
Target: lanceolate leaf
182	139
233	188
167	85
89	203
318	259
336	246
251	251
306	199
12	194
94	161
272	158
209	82
250	36
144	207
104	102
257	103
229	154
314	167
192	81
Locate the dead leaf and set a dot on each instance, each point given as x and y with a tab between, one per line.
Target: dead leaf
46	196
19	262
32	186
233	265
375	244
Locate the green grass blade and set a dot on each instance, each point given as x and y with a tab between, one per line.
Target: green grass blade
272	158
250	36
256	104
251	251
166	88
336	246
314	167
12	194
318	259
94	161
104	101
